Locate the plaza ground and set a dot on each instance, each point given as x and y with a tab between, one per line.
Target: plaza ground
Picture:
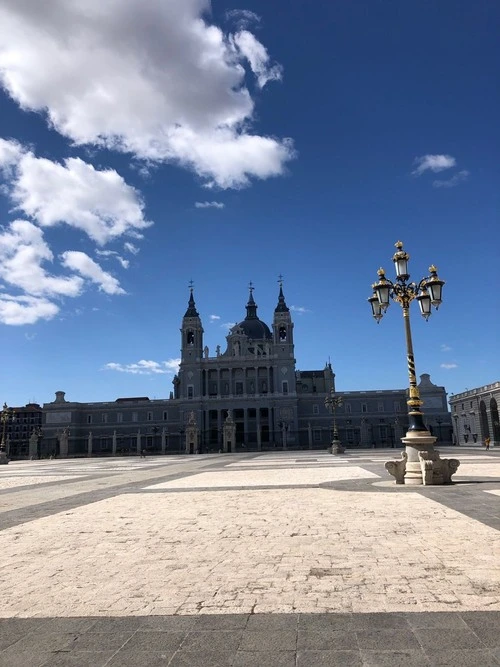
278	559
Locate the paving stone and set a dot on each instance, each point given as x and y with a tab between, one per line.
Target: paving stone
43	641
329	659
101	641
436	639
462	658
435	619
379	639
383	621
322	640
272	622
212	640
221	621
398	658
269	640
23	658
202	659
132	658
79	659
264	659
326	621
154	640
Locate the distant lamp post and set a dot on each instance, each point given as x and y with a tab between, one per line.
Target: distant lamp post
439	421
182	430
6	417
333	402
420	455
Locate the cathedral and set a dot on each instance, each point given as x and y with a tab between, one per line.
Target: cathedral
251	387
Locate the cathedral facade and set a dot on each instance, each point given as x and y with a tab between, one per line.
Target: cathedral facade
251	386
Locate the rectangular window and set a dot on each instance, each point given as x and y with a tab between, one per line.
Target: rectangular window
104	418
89	419
239	388
165	415
383	432
397	406
135	416
347	407
380	406
315	409
119	417
150	416
284	385
364	407
190	391
317	435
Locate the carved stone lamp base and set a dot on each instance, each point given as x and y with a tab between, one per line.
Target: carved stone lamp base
336	447
421	464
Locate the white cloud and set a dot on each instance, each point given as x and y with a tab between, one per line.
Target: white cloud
453	181
19	310
144	367
209	204
243	18
149	78
214	318
23	250
299	309
125	263
434	163
86	267
131	248
258	58
99	203
445	348
228	325
449	366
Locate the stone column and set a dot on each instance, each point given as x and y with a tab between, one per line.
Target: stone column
113	444
258	426
139	442
89	444
310	435
163	440
63	443
33	444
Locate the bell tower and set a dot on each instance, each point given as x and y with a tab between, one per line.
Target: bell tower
189	379
284	351
283	326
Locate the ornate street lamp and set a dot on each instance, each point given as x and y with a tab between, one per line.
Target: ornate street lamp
333	402
6	417
428	292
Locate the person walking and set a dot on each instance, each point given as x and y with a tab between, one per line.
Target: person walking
487	443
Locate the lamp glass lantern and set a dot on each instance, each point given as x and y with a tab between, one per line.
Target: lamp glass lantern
382	290
424	301
435	287
400	260
376	307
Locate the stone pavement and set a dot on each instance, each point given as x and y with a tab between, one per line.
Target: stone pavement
275	559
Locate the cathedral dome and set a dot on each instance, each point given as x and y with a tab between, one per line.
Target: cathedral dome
251	326
255	329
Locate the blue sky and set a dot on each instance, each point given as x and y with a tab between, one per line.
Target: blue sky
144	145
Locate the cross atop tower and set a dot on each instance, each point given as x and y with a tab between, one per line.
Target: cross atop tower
280	280
251	287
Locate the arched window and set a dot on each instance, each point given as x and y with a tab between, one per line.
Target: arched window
282	333
190	337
